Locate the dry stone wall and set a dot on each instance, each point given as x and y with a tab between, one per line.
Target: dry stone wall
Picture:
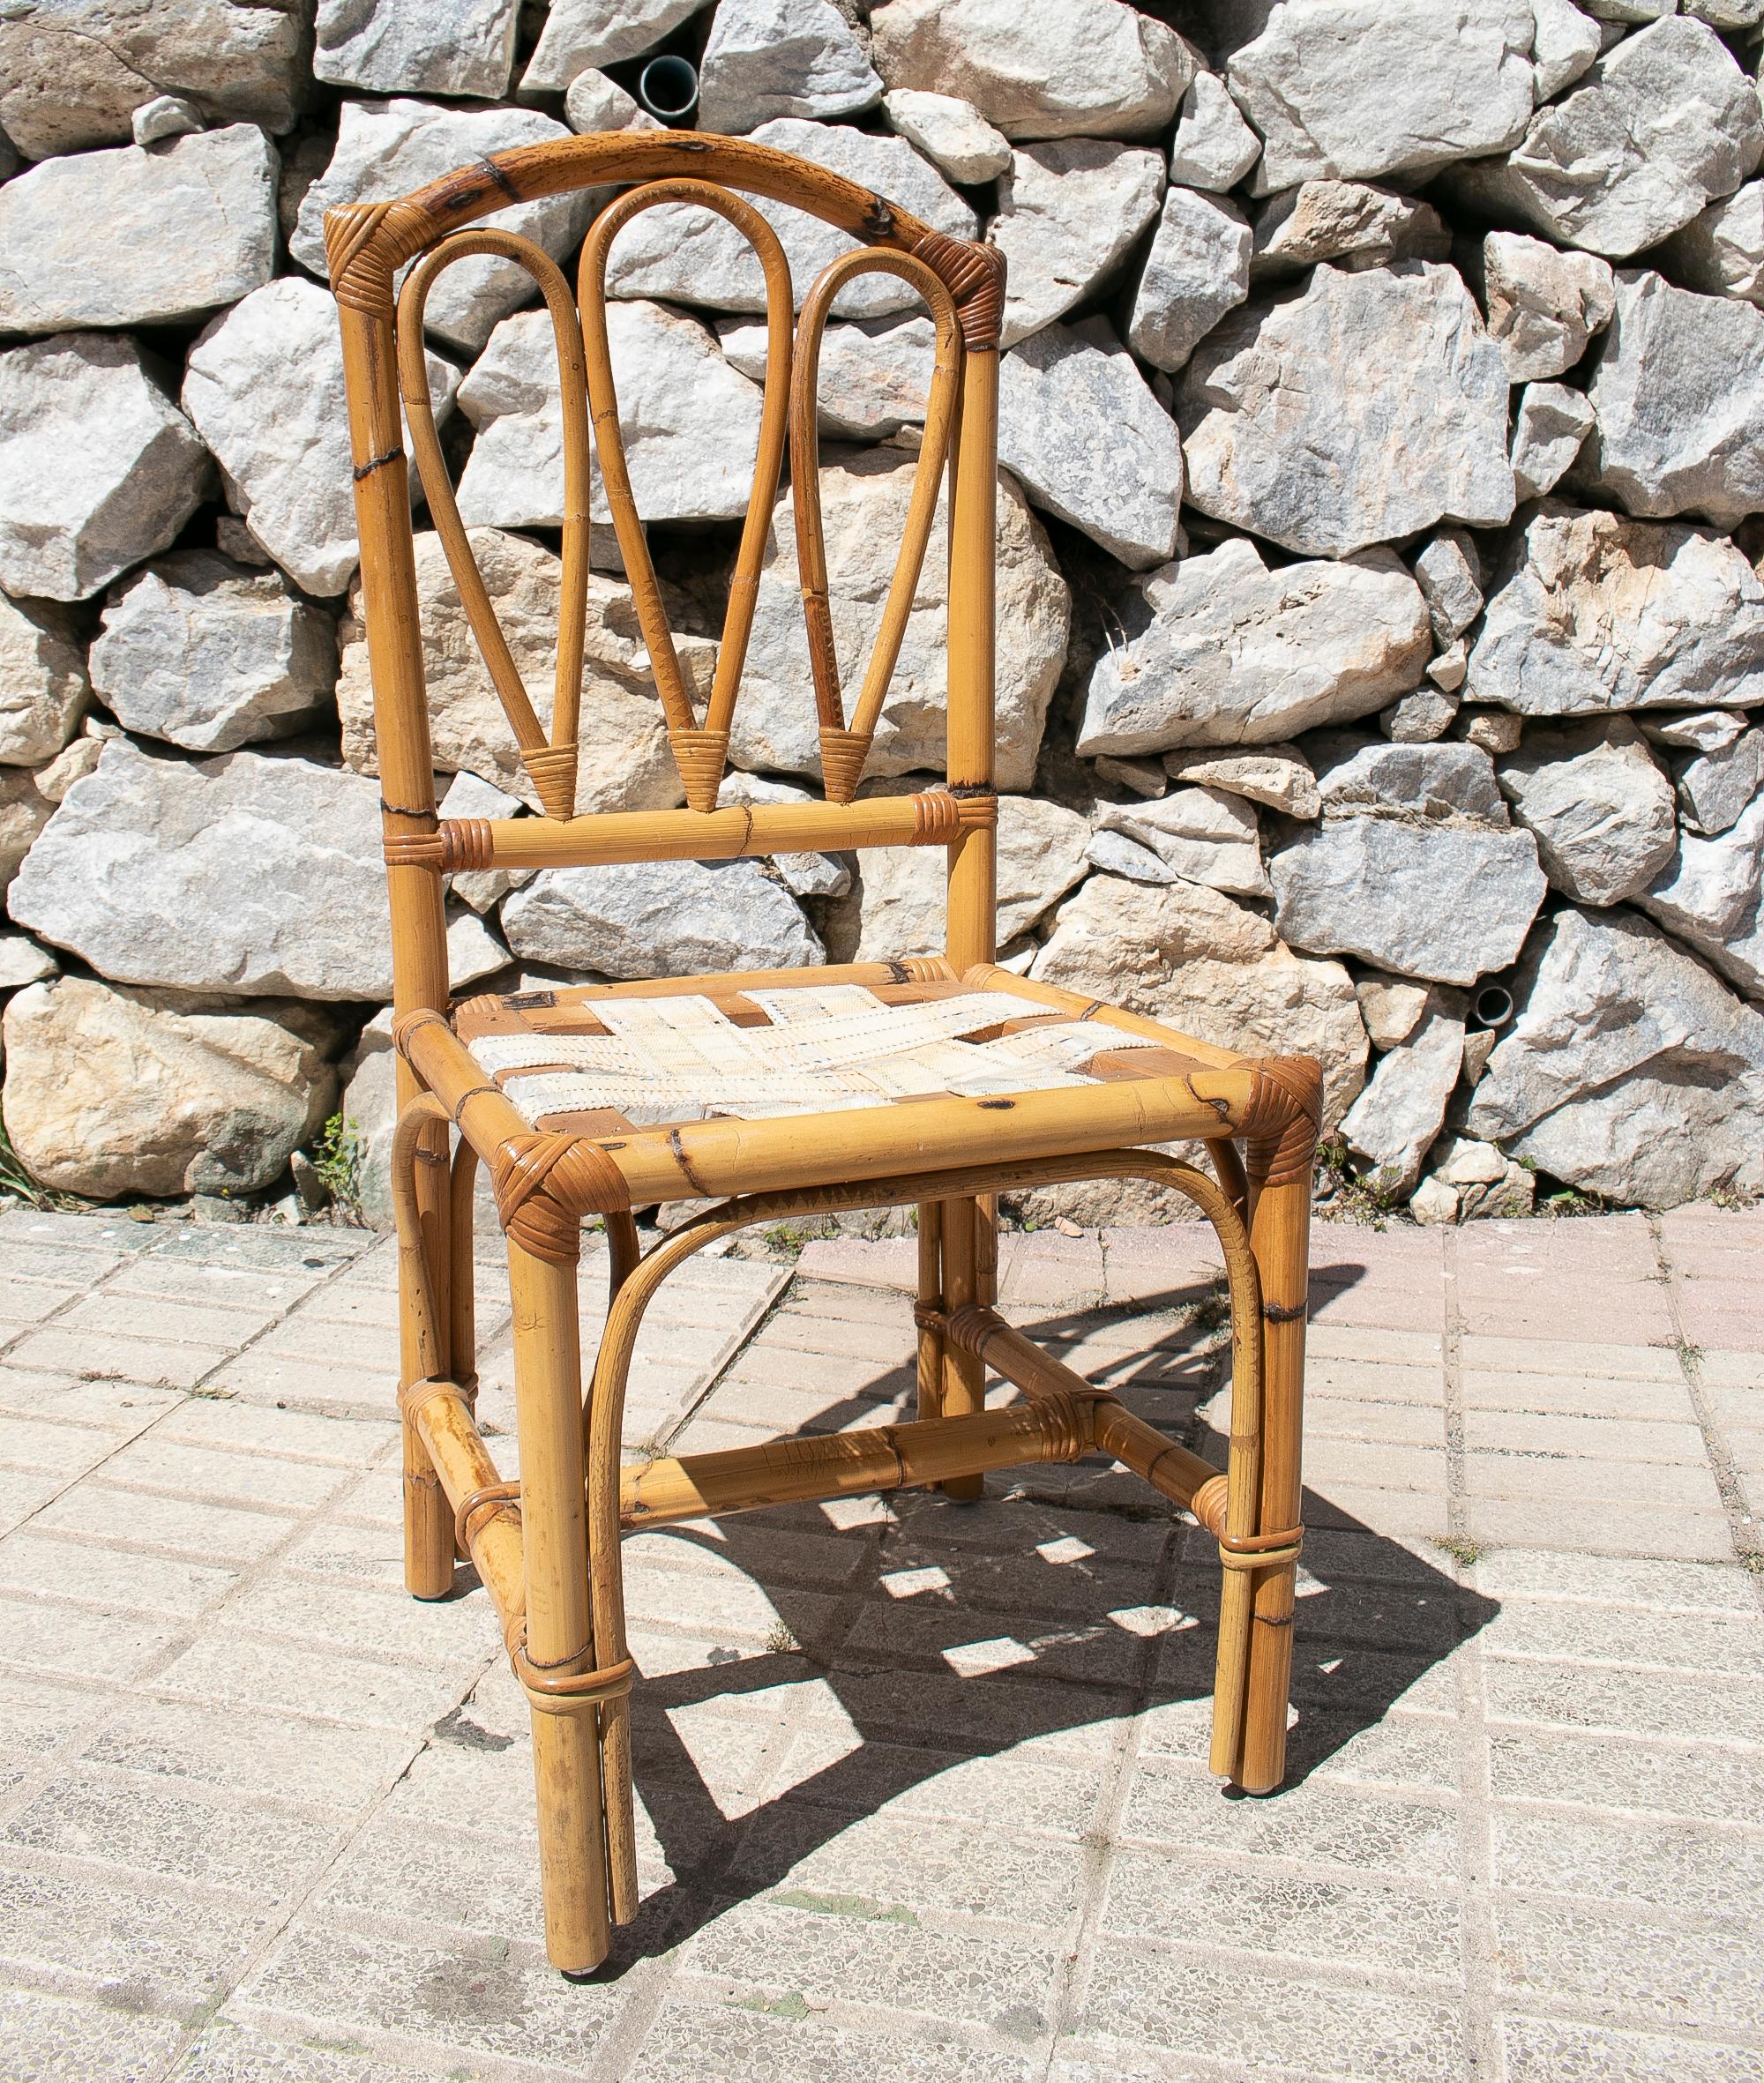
1382	632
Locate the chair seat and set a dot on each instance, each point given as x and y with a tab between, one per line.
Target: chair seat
604	1061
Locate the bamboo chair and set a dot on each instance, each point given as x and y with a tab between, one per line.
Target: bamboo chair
932	1081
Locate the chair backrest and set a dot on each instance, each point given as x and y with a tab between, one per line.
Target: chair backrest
962	285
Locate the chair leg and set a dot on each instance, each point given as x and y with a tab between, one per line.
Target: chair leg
566	1747
1280	1237
429	1553
964	1373
931	1303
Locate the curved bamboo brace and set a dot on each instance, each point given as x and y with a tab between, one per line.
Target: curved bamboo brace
552	764
844	750
603	1419
698	750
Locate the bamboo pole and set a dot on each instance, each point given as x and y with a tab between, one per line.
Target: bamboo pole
1280	1233
929	1313
559	1641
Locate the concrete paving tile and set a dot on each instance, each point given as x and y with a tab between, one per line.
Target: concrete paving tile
1419	1423
983	1714
118	1407
771	1366
67	1450
358	1345
38	1714
1173	1897
1665	1587
463	2004
49	1635
209	1421
250	1752
144	1947
35	1563
870	1948
1350	1342
1675	1866
1576	1395
1268	2021
268	1292
212	1532
891	1263
24	1301
1561	2050
1375	1464
229	2053
1571	1477
117	1357
1681	1706
971	1643
1570	1356
1399	1514
317	1250
1599	1528
1556	1628
987	1872
1602	1438
100	1236
48	2039
1175	1805
367	1620
1038	1791
187	1470
1400	1751
258	1375
122	1822
1695	1781
1741	1370
690	2040
222	1665
56	1265
1370	1381
1682	1971
160	1318
427	1873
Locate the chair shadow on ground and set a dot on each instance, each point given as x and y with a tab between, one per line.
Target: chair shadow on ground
1374	1617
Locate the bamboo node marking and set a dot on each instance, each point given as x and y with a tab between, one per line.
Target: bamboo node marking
1277	1313
373	463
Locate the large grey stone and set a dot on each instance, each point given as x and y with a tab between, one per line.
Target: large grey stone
264	387
1197	269
1548	430
1393	1122
1678	393
1214	147
1711	895
1212	968
594	103
1219	650
767	58
1356	88
905	889
874	373
625	760
1666	123
1065	69
1630	1072
43	688
1714	787
22	962
803	875
210	655
691	423
98	468
1413	867
25	809
578	34
1543	305
1591	612
863	501
1203	835
1602	811
1565	48
386	148
1068	210
1078	427
115	1092
683	254
186	225
1722	251
951	133
1449	572
72	74
188	873
1349	221
660	918
418	47
1365	408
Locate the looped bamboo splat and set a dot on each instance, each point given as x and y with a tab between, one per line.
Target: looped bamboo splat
844	749
551	763
941	1080
699	749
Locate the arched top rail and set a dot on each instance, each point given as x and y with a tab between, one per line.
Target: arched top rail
366	243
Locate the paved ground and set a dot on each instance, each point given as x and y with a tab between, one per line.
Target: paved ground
926	1786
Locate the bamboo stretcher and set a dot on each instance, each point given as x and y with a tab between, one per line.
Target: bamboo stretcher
548	1548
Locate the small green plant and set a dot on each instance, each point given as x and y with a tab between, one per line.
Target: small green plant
1352	1196
1461	1550
781	1642
337	1158
1571	1200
